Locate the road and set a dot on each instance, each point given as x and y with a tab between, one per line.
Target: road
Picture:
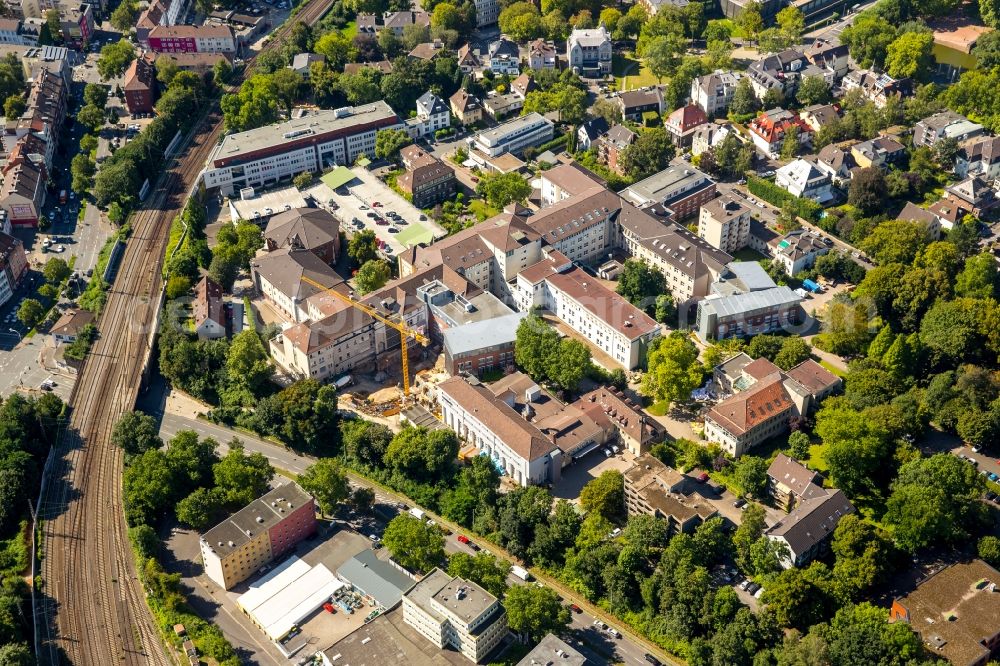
832	32
585	635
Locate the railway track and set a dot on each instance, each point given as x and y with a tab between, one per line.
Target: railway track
92	606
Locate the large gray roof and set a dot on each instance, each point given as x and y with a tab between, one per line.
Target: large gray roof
485	333
731	306
380	580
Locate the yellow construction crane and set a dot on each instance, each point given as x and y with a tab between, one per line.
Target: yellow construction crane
404	331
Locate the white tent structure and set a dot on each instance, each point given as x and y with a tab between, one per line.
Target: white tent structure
287	595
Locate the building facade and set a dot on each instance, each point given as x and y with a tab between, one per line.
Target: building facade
725	223
208	38
513	136
588	51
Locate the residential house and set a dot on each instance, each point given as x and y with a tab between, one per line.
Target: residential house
761	237
552	650
653	489
208	38
635	431
725	223
261	532
22	193
744	302
682	123
303	62
432	115
798	250
427	180
140	85
12	32
209	310
806	531
836	163
948	212
524	84
504	56
819	116
946	124
13	265
611	145
974	194
502	105
877	88
397	22
67	328
789	482
588	51
882	152
768	130
778	71
634	103
542	55
802	179
589	131
427	51
979	157
714	92
467	109
830	56
312	229
711	135
383	66
768	399
915	213
955	613
468	59
455	613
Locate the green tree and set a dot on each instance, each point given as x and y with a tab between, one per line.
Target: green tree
124	16
501	189
30	312
372	275
857	449
640	284
389	142
91	117
813	89
56	270
605	495
247	363
536	343
674	370
909	55
147	488
896	241
568	367
16	654
868	39
200	509
414	544
988	549
363	247
254	105
798	445
800	598
750	475
242	478
482	569
114	59
302	180
750	530
662	54
222	72
521	21
82	168
135	433
326	481
744	100
794	350
363	499
790	144
649	154
750	20
978	278
13	106
420	454
535	611
191	460
792	22
864	555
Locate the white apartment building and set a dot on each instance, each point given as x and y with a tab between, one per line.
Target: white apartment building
604	318
802	179
714	92
725	223
513	136
589	51
456	613
10	33
432	115
487	12
262	157
581	227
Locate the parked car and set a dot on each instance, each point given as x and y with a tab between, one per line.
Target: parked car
702	478
606	452
463	539
740	503
651	659
743	585
752	588
575	608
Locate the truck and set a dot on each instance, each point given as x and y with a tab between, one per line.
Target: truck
417	513
521	573
812	286
343	382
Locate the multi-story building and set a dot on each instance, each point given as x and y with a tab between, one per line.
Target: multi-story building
277	276
542	55
13	265
818	116
837	163
22	193
588	51
745	301
208	38
611	145
315	141
607	320
553	650
590	131
312	229
76	23
789	482
580	227
682	123
945	125
955	612
140	85
432	115
677	192
482	346
877	88
634	103
208	310
455	613
881	151
768	130
503	56
690	264
259	533
501	105
397	22
513	136
807	530
466	107
565	181
714	92
734	8
711	135
778	71
653	489
979	157
801	178
798	250
427	179
725	223
11	32
487	12
829	56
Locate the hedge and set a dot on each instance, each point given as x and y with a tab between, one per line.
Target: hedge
774	195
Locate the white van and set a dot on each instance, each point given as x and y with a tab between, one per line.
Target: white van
417	513
521	573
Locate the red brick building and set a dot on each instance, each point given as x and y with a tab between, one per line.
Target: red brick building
140	85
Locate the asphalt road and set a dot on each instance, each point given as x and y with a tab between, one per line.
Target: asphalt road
601	646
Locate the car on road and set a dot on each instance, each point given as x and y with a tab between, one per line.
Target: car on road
575	608
462	538
651	659
614	632
994	478
473	545
600	625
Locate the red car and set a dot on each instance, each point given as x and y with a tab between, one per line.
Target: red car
328	607
703	477
463	539
376	204
575	608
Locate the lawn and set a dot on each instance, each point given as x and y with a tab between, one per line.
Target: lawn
350	30
481	209
746	254
631	73
659	408
832	368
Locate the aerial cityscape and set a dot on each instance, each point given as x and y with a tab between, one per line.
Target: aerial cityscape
449	332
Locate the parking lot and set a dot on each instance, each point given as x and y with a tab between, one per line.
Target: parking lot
367	203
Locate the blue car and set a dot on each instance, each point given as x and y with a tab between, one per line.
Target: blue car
993	477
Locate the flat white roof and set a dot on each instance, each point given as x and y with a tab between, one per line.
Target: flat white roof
287	595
